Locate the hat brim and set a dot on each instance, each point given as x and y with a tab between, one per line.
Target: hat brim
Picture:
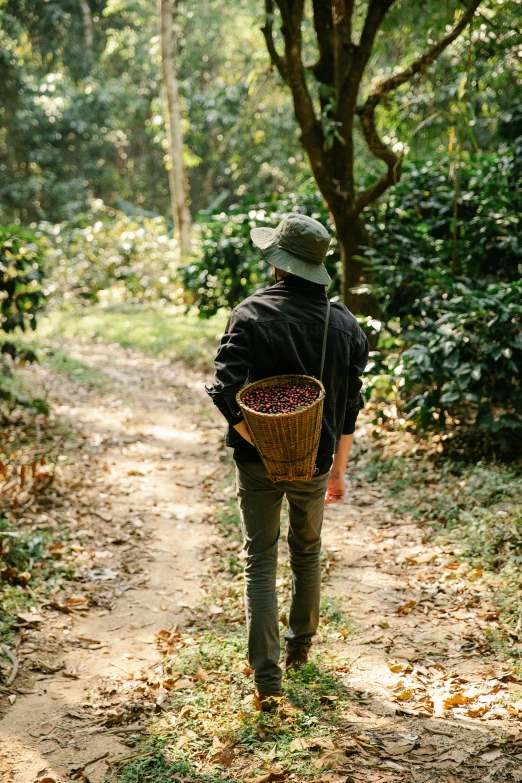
264	239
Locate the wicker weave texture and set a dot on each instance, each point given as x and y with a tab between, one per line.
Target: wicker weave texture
286	442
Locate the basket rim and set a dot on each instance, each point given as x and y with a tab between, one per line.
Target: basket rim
322	394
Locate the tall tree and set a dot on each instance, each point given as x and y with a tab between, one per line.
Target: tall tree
177	180
328	125
87	24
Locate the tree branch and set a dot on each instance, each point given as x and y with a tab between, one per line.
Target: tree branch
381	150
312	135
342	13
323	24
366	112
377	10
268	32
420	65
352	60
292	16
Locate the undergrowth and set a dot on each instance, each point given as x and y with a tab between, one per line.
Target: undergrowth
30	563
475	509
218	713
165	332
212	719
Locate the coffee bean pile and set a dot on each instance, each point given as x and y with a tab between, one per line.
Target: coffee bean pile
281	398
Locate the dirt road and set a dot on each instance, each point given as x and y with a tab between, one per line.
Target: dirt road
429	699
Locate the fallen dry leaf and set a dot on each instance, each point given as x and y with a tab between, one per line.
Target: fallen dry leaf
331	758
477	711
456	700
182	683
404	695
398	748
202	676
397	667
225	757
491	755
406	608
299	743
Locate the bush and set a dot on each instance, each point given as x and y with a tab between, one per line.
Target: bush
228	267
414	257
104	255
21	295
453	306
468	361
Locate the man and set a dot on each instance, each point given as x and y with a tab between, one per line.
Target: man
274	332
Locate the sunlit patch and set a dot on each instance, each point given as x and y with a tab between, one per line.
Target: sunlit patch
169	433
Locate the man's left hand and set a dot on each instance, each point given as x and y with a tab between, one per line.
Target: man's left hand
336	489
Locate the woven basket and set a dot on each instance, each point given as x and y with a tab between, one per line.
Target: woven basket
286	442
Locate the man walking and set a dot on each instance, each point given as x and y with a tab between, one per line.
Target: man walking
274	332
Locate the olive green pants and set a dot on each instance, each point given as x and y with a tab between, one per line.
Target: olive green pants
260	503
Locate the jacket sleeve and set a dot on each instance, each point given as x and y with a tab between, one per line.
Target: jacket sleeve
232	367
356	368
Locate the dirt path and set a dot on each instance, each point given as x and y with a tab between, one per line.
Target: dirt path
145	436
428	700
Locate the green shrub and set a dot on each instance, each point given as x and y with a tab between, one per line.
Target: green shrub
105	255
468	361
21	295
453	305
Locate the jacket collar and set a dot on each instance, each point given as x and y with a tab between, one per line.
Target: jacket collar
294	283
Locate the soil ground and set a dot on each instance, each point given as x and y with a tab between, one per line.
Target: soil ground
430	700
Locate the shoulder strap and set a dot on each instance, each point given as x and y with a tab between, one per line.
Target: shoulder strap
325	336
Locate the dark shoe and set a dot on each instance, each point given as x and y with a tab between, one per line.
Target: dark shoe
267	702
295	659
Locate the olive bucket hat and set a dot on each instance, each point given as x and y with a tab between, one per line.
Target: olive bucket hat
297	245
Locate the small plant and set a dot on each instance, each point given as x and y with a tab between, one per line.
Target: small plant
21	295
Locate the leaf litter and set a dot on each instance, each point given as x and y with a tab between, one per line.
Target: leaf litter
416	699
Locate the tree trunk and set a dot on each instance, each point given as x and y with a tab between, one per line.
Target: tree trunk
87	24
353	238
177	183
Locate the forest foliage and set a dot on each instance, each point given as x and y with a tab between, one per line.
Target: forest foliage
84	187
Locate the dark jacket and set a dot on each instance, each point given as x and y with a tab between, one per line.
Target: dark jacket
279	331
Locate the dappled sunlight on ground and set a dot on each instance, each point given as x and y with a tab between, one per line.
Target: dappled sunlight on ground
405	685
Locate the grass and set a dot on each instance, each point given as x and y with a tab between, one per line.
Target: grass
63	363
217	713
30	558
26	560
212	718
165	332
